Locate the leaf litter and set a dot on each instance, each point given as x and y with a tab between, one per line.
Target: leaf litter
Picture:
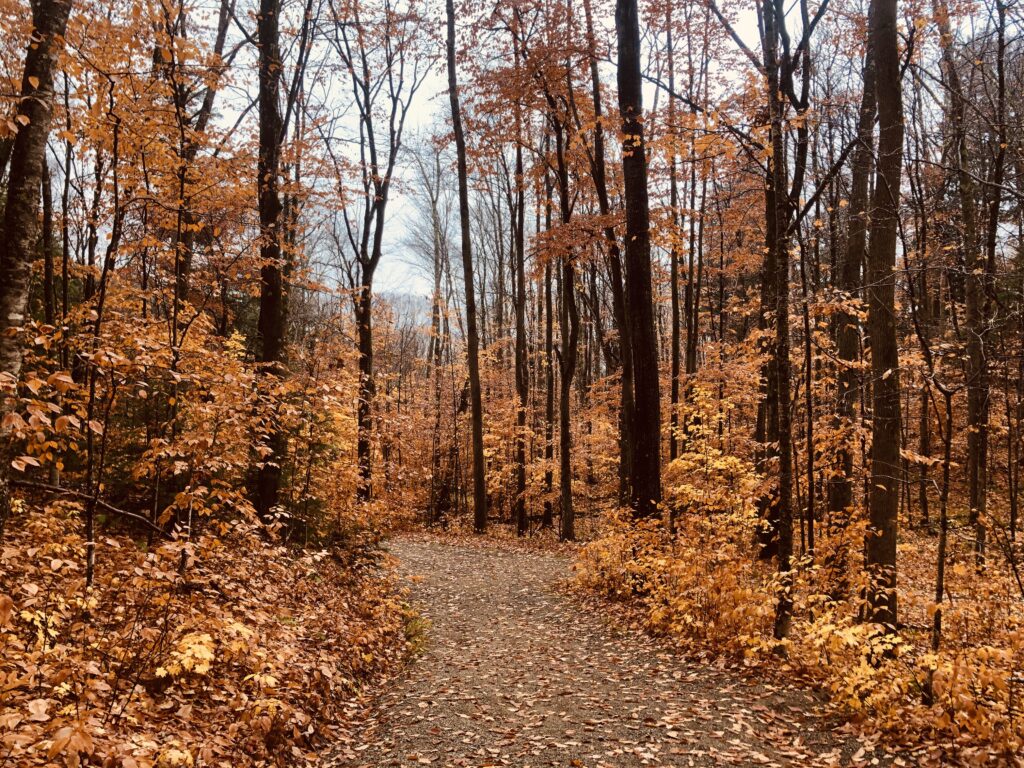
514	672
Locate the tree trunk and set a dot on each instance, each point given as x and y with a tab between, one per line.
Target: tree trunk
840	497
364	408
883	494
570	326
627	411
548	519
569	323
522	372
472	339
673	202
975	268
272	320
47	246
645	490
775	291
21	211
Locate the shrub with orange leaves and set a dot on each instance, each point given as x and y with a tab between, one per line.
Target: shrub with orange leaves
704	588
702	584
226	650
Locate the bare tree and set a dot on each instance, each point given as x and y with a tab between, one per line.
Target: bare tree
385	69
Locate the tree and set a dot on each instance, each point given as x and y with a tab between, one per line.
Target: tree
840	497
21	209
976	277
645	480
623	360
883	498
379	52
270	344
472	339
522	374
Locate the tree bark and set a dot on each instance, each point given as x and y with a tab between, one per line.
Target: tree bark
673	202
570	326
472	339
778	211
21	211
367	389
840	497
522	371
883	498
47	247
272	319
645	484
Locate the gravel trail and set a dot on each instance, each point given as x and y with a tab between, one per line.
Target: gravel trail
516	673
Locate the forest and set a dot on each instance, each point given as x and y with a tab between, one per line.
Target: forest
663	357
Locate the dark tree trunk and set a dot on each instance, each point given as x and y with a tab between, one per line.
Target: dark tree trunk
65	228
272	320
673	187
645	483
883	499
548	519
472	339
21	211
975	269
778	209
569	323
437	491
570	327
522	371
364	408
627	413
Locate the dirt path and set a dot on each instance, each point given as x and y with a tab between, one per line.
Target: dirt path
515	673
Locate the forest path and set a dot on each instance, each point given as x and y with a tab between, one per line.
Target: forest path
517	673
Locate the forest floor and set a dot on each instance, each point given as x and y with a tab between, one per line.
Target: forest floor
514	671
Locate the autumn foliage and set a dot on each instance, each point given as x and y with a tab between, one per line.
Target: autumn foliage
736	297
222	650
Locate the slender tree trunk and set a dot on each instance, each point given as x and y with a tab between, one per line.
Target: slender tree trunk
994	193
522	372
549	405
47	246
673	186
940	556
778	412
437	482
840	497
367	390
569	325
808	398
472	339
645	490
925	449
65	227
975	268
